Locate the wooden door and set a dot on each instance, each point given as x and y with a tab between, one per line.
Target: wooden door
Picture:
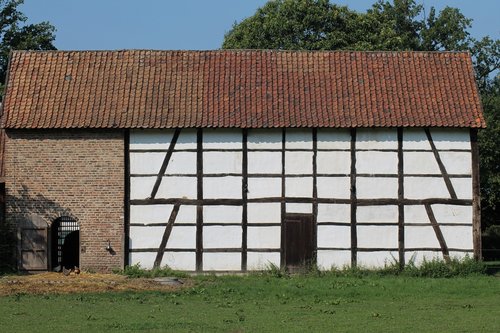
299	240
34	249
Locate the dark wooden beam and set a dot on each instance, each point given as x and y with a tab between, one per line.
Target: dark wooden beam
476	197
353	198
166	236
315	194
439	234
164	165
244	195
126	199
401	206
359	202
442	168
282	199
199	205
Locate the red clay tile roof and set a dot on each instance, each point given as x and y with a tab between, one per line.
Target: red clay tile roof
245	88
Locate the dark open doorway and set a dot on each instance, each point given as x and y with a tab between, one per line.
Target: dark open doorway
65	243
299	241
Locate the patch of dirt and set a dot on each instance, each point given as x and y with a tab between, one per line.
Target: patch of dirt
58	283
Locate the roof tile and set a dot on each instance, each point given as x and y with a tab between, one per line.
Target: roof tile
240	88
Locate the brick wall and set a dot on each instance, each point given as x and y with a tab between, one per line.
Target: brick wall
78	173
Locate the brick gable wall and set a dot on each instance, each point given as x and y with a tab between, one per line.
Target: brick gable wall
78	173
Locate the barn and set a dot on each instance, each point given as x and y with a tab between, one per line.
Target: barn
238	160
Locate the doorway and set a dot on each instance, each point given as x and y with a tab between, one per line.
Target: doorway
299	240
65	243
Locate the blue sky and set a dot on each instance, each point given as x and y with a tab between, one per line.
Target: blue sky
188	24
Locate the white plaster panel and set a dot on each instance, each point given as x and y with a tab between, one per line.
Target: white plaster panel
150	139
327	259
150	163
222	237
264	162
334	236
376	187
458	237
452	213
462	187
160	139
145	237
176	187
222	261
373	162
299	208
420	163
333	162
457	162
222	138
298	138
298	187
420	236
222	162
186	214
451	138
264	237
377	259
264	187
222	214
182	237
377	214
222	187
418	257
416	214
425	187
334	213
376	138
333	138
370	236
150	213
298	162
140	187
181	163
264	139
182	261
334	187
264	212
415	138
262	260
146	163
144	259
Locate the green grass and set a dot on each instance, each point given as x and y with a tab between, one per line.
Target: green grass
268	303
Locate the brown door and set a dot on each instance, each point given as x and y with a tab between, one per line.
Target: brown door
34	249
299	240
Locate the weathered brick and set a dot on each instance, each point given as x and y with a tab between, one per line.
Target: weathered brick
78	173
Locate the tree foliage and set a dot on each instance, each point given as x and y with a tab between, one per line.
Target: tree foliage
16	34
387	25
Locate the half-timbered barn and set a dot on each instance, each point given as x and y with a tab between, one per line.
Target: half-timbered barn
235	160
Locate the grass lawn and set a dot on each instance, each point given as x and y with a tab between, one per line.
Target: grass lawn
270	304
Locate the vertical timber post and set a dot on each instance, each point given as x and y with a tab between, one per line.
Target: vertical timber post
476	197
244	195
126	199
354	234
283	204
401	207
315	194
199	205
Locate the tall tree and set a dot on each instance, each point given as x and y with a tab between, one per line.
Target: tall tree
17	34
388	25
